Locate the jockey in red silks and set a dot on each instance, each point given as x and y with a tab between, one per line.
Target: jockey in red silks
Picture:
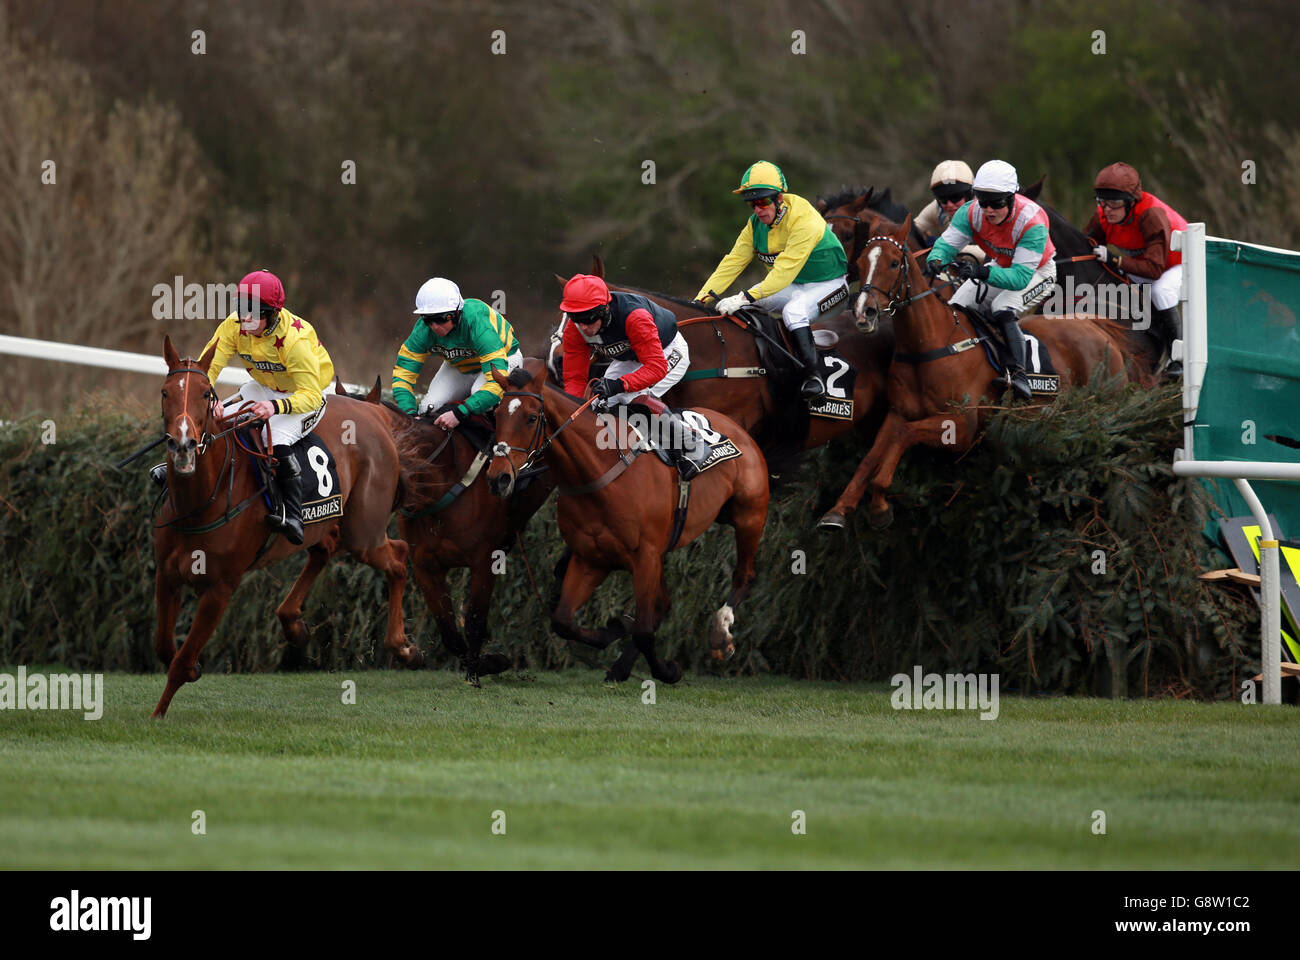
648	353
1139	225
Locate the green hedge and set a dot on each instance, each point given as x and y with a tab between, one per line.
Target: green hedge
989	565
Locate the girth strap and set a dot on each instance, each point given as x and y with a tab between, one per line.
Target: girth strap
448	498
952	348
679	517
613	473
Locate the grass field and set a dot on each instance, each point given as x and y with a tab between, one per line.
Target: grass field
587	775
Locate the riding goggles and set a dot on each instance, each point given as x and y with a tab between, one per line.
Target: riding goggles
992	201
952	194
588	317
759	202
437	319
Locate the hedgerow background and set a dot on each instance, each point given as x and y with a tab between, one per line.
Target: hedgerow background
991	564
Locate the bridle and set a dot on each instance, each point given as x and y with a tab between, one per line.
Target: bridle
902	286
541	432
206	439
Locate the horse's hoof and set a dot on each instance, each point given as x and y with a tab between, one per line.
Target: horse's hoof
472	680
879	521
196	672
672	672
612	677
832	521
412	656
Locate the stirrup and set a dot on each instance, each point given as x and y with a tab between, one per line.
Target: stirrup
817	390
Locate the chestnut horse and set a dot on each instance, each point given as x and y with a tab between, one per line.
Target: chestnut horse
925	393
617	509
450	526
720	344
214	523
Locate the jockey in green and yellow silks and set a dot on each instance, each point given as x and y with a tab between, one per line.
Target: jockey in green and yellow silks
805	264
472	337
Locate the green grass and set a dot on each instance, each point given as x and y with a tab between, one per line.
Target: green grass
589	776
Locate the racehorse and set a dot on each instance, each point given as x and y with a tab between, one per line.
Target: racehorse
619	510
451	519
850	214
724	376
217	531
927	379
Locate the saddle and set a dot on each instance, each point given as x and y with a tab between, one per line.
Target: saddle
1039	369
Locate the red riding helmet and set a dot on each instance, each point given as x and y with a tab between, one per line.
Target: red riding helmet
584	292
267	286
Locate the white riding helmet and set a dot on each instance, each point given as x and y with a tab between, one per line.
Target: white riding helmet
438	295
997	176
951	172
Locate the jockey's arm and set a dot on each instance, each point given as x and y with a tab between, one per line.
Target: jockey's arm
224	338
492	356
952	240
730	267
1154	260
644	337
805	233
406	371
303	366
927	221
1023	262
1094	230
577	360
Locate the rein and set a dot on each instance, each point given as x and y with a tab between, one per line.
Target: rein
227	470
534	450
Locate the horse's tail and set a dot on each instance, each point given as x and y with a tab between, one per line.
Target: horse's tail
1124	340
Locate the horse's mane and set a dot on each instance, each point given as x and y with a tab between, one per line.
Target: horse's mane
880	201
1076	242
680	301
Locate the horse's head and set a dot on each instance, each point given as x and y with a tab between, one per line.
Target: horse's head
884	266
187	397
844	213
521	424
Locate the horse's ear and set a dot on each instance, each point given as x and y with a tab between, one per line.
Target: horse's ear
518	379
1034	189
561	280
869	196
904	229
820	204
502	379
169	352
597	266
205	361
376	391
861	201
339	388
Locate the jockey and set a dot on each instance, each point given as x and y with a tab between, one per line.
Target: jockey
291	376
647	353
474	339
1012	230
805	263
951	185
1139	225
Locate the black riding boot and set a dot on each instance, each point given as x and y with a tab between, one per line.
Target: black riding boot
288	478
1169	327
805	352
1016	340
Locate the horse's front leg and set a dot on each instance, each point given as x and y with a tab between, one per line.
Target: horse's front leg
951	431
184	666
835	517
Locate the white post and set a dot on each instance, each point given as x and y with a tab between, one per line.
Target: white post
1270	577
1191	242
